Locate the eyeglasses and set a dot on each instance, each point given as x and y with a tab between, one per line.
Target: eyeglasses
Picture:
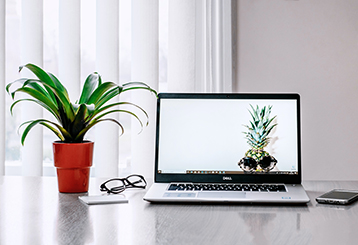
248	164
118	185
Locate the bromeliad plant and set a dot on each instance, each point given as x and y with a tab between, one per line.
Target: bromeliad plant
73	119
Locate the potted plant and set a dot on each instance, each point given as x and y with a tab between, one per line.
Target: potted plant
73	154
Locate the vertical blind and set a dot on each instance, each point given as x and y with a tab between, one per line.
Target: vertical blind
2	85
200	46
144	68
107	64
199	60
32	52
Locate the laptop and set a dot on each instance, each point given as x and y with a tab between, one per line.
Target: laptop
204	151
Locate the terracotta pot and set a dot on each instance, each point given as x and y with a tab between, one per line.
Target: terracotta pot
73	162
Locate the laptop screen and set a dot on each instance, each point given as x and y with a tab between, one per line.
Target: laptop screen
239	137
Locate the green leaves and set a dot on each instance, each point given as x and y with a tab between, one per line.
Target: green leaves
92	81
74	120
61	132
260	128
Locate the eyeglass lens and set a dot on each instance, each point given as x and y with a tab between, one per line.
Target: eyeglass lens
136	181
265	163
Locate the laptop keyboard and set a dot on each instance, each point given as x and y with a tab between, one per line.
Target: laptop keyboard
227	187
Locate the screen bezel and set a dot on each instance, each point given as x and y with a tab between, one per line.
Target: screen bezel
229	178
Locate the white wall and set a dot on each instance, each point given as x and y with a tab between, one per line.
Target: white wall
309	47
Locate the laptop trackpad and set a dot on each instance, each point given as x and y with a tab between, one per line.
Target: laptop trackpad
224	195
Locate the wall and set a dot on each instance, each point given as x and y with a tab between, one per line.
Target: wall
309	47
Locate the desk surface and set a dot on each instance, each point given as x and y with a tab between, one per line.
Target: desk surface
33	212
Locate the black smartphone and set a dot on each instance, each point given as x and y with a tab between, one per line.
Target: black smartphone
338	196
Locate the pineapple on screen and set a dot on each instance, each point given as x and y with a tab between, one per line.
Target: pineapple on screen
257	134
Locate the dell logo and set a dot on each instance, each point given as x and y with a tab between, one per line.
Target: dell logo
227	178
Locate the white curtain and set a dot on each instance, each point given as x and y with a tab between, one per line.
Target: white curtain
199	60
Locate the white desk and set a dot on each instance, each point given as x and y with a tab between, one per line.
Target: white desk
33	212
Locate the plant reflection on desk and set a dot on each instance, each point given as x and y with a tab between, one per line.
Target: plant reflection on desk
72	216
258	225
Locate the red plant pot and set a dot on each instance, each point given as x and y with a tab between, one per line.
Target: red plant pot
73	162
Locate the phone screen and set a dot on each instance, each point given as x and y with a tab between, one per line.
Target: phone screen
339	195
